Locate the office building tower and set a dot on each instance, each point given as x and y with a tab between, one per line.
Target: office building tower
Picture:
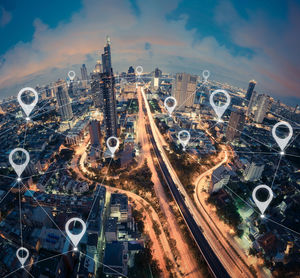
84	75
155	82
252	103
157	73
235	125
107	89
251	86
64	104
98	67
95	90
131	74
254	171
95	133
184	89
263	105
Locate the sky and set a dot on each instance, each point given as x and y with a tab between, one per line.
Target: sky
236	40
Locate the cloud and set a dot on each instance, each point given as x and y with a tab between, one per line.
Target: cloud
148	39
276	61
5	17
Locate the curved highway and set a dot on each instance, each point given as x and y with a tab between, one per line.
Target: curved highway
210	257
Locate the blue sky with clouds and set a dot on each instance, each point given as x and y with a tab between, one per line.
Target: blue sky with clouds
236	40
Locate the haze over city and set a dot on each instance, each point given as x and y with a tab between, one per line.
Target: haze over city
237	41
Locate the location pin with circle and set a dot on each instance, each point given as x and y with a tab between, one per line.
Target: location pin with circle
184	138
27	108
111	148
262	205
171	108
75	238
205	75
71	74
19	168
219	110
22	259
282	142
139	70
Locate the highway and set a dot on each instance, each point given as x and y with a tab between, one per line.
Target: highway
212	260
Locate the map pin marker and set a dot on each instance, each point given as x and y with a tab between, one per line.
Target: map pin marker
22	259
170	109
262	205
75	238
27	108
219	110
184	141
139	70
19	168
111	148
205	75
71	74
282	142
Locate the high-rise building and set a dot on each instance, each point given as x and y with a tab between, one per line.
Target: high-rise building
157	73
131	74
95	90
64	104
254	171
263	104
251	86
184	89
252	103
107	89
84	75
98	67
95	133
235	125
155	82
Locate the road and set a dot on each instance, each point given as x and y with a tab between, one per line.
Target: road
159	251
186	262
219	228
183	201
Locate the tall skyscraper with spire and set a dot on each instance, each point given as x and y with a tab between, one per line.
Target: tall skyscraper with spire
107	90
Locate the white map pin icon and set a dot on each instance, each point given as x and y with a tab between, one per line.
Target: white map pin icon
19	168
262	205
170	109
22	259
71	74
282	142
75	238
27	108
205	75
112	149
139	70
184	141
219	110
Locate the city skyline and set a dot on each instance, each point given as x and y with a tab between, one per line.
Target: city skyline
183	44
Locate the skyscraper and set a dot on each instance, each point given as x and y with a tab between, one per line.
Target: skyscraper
184	89
98	67
252	103
251	86
84	75
131	74
107	89
263	106
95	133
235	125
254	171
64	104
95	89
